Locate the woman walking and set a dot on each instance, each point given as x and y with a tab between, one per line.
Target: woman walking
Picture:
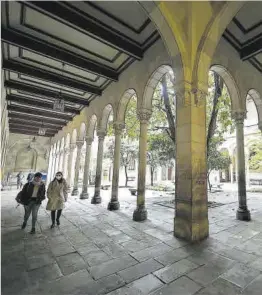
57	196
31	197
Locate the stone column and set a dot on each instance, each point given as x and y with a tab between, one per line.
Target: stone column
247	168
140	212
260	126
70	163
101	137
231	173
65	153
55	164
191	211
114	203
79	145
242	212
84	194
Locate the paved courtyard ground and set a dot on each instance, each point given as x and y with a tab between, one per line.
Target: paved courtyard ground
95	251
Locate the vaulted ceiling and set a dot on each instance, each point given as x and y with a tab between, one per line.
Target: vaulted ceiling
244	33
76	48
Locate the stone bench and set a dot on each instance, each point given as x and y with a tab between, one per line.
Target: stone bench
131	178
133	191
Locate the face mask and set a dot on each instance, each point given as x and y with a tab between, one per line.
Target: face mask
58	177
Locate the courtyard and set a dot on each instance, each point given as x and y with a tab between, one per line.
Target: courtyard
95	251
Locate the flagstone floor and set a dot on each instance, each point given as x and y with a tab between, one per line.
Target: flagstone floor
95	251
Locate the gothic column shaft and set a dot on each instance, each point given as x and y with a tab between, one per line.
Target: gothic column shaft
242	212
100	151
79	145
84	194
64	160
140	212
191	212
70	164
114	203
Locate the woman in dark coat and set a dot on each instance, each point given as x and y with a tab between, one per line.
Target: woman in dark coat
32	195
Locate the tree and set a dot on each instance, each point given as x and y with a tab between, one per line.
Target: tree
255	157
160	152
216	160
128	153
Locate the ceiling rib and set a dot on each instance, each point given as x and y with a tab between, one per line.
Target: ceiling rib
28	132
46	114
22	68
31	127
84	23
36	103
43	92
57	53
251	49
27	118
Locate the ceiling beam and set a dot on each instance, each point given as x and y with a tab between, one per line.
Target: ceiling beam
31	89
88	25
28	132
61	117
57	53
251	49
31	127
42	74
27	102
27	118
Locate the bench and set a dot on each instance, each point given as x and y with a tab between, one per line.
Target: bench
131	178
133	191
219	186
105	187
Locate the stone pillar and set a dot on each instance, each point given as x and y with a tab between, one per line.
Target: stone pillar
242	212
70	164
79	145
114	203
247	168
101	137
140	212
65	153
260	126
231	173
191	211
55	164
84	194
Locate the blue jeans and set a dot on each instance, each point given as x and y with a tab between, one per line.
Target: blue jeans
31	207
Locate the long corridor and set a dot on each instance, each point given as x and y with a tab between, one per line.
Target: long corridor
96	251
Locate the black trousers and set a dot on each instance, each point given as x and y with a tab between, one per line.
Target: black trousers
59	212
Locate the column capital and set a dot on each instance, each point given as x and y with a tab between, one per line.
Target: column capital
144	115
101	134
118	127
239	116
79	144
89	140
72	147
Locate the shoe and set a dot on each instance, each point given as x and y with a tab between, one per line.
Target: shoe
32	231
52	226
23	225
57	222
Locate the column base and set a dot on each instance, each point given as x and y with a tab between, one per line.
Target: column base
96	199
191	231
75	192
140	214
243	214
113	205
84	195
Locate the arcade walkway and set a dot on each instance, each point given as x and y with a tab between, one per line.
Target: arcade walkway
96	251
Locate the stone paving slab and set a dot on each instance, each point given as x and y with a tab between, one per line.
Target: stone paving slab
97	252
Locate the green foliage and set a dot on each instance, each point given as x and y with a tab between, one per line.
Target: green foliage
132	125
255	157
217	160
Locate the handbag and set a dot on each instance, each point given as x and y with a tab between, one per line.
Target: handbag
19	198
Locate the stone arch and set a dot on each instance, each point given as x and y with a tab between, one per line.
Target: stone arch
26	159
91	126
82	131
232	87
223	13
105	116
257	99
125	98
154	79
74	136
